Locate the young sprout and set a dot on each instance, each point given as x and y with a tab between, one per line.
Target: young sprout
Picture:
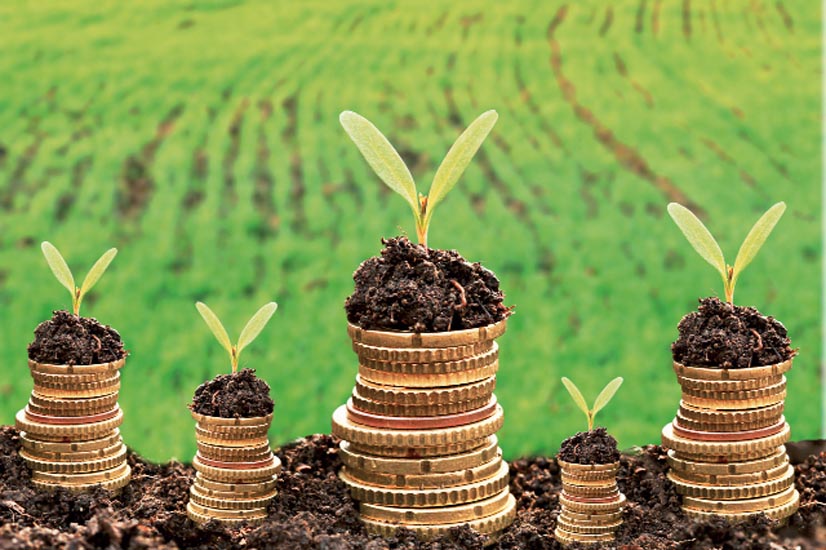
250	332
64	274
705	244
389	166
599	403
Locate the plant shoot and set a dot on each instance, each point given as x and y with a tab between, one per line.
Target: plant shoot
705	244
389	166
249	333
64	275
602	399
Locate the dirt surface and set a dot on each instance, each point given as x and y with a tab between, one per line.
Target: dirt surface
730	336
594	447
314	510
237	395
68	339
414	288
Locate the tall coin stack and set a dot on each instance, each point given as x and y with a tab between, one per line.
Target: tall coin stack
419	446
69	429
236	470
591	503
726	444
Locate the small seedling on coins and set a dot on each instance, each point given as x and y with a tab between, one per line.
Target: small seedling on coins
602	399
250	332
64	275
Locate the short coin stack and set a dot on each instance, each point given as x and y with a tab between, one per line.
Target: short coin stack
236	470
69	429
419	445
726	450
591	504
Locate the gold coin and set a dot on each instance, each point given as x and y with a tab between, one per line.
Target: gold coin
234	454
760	414
229	440
237	503
90	389
374	407
76	456
600	481
431	516
437	451
112	485
732	479
416	466
212	487
586	529
71	407
447	339
100	368
80	432
68	380
237	475
421	397
37	446
691	467
200	518
74	467
706	373
235	432
427	498
217	423
89	478
741	395
728	385
487	525
428	380
602	506
685	423
732	404
719	492
591	519
574	469
420	355
363	435
563	537
728	508
722	448
428	481
444	367
591	491
244	494
213	513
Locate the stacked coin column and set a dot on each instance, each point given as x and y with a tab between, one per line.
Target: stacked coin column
69	429
236	470
591	504
418	446
726	450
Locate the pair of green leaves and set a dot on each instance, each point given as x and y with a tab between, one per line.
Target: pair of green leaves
249	333
64	275
705	244
602	399
389	166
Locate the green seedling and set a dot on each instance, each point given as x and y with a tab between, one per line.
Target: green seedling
705	244
64	275
602	399
389	166
249	333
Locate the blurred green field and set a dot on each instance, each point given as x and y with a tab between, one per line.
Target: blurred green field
202	139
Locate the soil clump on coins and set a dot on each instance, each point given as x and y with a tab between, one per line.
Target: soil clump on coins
410	287
68	339
237	395
313	510
728	336
593	447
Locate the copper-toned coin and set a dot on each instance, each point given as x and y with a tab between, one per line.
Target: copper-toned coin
385	409
396	395
55	406
432	452
75	466
752	505
670	440
428	380
707	373
420	355
427	498
416	466
193	512
216	422
592	506
421	422
211	487
426	340
72	420
232	475
347	430
37	446
442	367
436	516
728	385
428	481
67	433
100	368
729	436
775	458
740	492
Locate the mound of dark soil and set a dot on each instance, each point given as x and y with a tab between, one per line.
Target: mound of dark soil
594	447
732	337
68	339
237	395
414	288
313	510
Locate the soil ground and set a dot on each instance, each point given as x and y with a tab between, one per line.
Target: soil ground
237	395
68	339
314	510
593	447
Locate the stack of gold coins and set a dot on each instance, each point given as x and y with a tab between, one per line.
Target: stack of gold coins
591	503
236	470
419	445
726	450
69	429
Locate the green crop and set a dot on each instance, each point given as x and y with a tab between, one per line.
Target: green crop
389	166
602	399
704	243
64	275
249	333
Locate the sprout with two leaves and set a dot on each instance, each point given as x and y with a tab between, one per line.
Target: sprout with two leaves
705	244
602	399
249	333
64	275
389	166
